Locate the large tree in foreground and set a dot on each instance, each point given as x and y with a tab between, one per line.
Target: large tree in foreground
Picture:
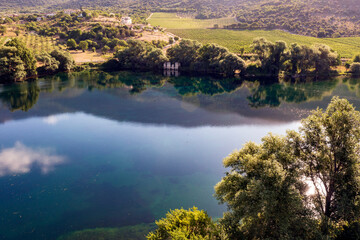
281	188
327	147
264	193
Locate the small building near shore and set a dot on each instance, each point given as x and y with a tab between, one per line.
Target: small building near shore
126	21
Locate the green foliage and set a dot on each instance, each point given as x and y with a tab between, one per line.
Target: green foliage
139	55
71	44
16	61
49	63
12	68
327	147
272	55
105	49
66	62
186	52
264	191
22	96
355	69
171	21
3	30
185	224
209	58
25	54
275	57
136	232
356	58
236	40
83	45
283	187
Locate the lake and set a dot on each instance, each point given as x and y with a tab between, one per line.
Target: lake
117	151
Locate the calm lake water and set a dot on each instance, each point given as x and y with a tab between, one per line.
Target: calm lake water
97	150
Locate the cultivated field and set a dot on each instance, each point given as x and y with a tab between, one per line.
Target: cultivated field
172	21
235	40
36	43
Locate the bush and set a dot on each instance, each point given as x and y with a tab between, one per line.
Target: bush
185	224
355	69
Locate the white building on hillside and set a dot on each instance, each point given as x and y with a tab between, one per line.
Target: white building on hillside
126	21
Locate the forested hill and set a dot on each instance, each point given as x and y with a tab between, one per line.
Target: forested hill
319	18
15	4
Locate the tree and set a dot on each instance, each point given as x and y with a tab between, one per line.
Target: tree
3	30
186	52
105	49
263	190
272	55
66	61
328	148
324	59
355	69
232	64
139	55
71	43
17	62
83	45
49	63
356	58
185	224
12	67
283	187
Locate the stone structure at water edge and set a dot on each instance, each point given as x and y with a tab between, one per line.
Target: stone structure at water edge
170	66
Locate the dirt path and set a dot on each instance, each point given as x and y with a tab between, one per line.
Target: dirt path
149	16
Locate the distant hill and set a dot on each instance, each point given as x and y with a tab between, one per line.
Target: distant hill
318	18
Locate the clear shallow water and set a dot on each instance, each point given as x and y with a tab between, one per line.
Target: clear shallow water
98	150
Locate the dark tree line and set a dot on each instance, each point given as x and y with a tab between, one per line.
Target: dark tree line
272	59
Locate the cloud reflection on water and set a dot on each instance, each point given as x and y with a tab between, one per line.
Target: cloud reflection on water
20	159
54	119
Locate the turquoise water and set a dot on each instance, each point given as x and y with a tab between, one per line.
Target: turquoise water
96	150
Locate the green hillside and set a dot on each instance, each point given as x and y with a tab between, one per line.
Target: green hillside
236	39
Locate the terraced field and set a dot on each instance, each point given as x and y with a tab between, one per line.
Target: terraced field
235	40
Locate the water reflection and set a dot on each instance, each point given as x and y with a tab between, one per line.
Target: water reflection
54	119
154	99
273	95
24	96
139	144
20	159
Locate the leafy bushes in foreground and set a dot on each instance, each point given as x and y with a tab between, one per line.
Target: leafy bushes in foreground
302	186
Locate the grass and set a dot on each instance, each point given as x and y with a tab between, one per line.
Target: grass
2	40
235	40
172	21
